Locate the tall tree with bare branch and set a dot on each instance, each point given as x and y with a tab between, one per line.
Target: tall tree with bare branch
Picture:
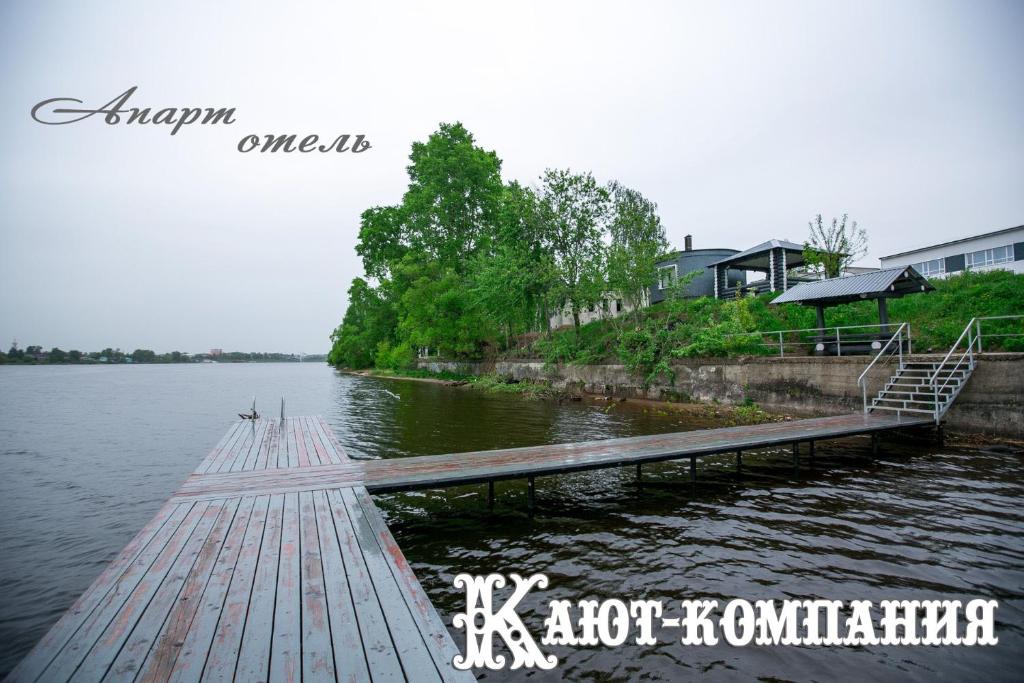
830	249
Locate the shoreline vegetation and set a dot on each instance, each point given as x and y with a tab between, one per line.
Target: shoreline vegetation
36	355
470	267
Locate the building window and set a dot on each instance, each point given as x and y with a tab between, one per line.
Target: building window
618	305
989	257
666	276
604	305
934	267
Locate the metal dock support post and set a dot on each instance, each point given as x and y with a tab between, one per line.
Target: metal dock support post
739	462
530	495
796	457
693	469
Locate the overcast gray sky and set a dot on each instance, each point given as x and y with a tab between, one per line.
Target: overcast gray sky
740	119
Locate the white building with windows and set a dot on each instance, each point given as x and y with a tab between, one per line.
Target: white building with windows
1002	249
611	305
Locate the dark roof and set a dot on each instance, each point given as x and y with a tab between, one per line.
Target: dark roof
889	283
962	239
760	250
671	255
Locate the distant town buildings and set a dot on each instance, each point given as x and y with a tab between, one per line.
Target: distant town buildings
1002	249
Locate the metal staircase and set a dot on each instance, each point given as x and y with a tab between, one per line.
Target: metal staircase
923	385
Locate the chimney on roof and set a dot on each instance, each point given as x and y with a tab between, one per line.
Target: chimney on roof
688	243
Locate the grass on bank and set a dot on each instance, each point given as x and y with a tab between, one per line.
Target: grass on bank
705	327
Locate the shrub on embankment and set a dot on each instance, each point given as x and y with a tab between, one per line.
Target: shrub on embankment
705	327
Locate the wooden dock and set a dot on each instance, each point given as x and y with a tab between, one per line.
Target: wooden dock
300	585
273	563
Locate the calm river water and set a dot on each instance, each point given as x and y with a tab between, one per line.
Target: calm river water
90	453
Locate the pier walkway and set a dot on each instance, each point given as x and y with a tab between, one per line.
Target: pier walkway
272	562
289	586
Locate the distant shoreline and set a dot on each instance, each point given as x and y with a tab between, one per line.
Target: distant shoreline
95	363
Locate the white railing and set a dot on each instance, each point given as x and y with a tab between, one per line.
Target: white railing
799	342
892	349
970	339
996	335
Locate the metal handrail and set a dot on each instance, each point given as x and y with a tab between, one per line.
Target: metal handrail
820	330
898	335
968	353
973	333
978	322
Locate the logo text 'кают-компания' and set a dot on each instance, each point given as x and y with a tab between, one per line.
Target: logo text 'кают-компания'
703	622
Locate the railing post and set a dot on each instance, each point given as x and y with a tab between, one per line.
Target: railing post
839	344
782	353
970	349
899	343
977	325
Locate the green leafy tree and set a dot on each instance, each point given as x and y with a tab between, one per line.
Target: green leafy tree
512	281
448	212
369	320
574	214
74	355
454	195
436	309
382	239
831	248
57	355
143	356
637	240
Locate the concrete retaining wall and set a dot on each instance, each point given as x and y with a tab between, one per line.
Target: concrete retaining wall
992	402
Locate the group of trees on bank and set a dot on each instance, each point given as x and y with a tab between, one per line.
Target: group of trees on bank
466	261
35	354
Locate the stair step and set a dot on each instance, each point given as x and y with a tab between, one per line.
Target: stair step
932	373
920	388
892	399
910	395
906	402
904	410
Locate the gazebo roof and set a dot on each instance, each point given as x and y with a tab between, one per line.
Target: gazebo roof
756	258
889	283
